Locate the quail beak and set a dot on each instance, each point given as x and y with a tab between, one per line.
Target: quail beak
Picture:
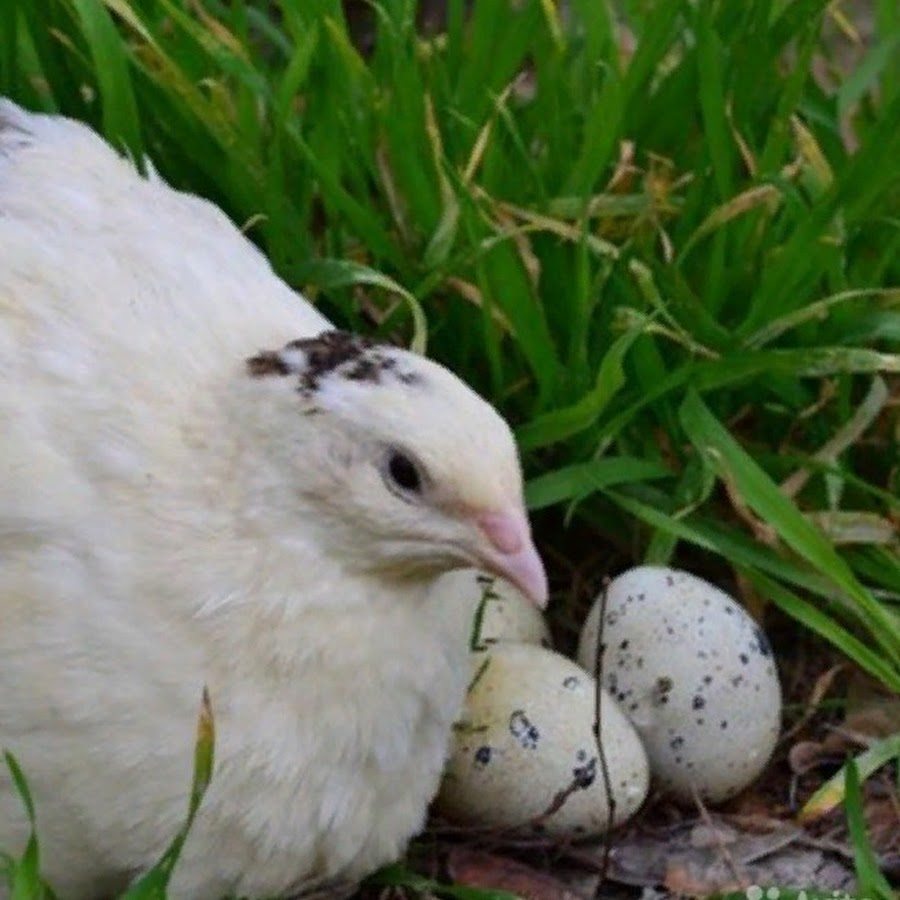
512	554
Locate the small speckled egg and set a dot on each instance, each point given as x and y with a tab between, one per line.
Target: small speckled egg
524	755
696	676
506	614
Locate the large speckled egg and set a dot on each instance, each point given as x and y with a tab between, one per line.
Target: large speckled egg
524	755
498	611
696	676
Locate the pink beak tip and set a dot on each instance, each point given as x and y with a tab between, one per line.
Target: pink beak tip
516	557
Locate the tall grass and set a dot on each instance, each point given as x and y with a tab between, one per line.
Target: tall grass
664	241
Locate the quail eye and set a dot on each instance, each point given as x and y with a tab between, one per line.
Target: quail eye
402	473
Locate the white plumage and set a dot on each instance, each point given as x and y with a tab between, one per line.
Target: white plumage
173	516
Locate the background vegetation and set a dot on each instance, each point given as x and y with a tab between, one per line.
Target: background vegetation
662	238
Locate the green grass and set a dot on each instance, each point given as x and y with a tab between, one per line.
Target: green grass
667	253
22	876
662	263
628	256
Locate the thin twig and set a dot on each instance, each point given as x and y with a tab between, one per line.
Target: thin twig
598	737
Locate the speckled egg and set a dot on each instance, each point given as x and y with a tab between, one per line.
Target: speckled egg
696	676
524	755
499	611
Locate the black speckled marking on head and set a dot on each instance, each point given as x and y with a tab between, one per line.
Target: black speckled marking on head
267	363
327	351
364	369
340	353
697	702
571	681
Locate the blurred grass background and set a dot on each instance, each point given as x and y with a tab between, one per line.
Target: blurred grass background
660	235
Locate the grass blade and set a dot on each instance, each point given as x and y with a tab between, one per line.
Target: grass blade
839	787
868	873
152	885
120	115
762	495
